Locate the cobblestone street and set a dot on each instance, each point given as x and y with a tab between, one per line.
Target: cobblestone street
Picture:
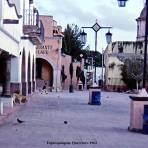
89	126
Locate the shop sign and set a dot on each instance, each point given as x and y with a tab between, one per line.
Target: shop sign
44	49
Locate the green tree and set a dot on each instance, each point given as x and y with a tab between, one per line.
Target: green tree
71	41
132	72
89	55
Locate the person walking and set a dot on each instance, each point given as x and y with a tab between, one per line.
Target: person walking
82	78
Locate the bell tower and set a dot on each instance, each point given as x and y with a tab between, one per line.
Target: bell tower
141	25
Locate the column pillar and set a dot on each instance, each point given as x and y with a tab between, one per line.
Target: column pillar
6	85
29	87
57	80
33	86
24	88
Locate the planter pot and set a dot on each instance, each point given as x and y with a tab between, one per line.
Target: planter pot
70	88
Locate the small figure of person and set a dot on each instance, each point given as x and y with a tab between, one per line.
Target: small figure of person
45	87
82	78
63	76
78	72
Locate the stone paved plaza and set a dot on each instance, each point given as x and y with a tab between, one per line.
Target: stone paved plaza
87	126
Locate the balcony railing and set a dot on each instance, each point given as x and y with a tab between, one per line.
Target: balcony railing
33	26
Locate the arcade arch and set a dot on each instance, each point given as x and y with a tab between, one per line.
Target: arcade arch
44	73
23	74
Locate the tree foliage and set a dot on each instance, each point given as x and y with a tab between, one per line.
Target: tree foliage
71	41
132	72
92	55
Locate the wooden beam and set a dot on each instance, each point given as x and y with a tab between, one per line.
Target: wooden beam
10	21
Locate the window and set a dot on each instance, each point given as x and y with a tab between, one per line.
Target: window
120	49
55	32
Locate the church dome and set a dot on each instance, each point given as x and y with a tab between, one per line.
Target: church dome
143	13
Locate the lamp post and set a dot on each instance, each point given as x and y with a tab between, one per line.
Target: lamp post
83	37
81	56
96	27
122	3
102	73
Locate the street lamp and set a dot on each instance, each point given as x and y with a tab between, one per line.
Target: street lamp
102	73
83	37
123	4
108	37
81	56
96	27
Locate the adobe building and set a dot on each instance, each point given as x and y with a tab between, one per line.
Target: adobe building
50	60
48	55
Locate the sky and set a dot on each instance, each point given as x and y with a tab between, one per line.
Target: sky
84	13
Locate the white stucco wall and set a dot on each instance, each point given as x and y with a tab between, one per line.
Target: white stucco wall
12	33
19	5
15	75
9	33
8	43
114	74
1	12
10	13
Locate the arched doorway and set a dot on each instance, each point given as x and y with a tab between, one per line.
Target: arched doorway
33	76
29	74
5	68
23	75
44	73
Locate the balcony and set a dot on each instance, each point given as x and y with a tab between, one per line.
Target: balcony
33	26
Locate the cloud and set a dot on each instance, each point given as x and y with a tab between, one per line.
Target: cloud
84	13
117	18
66	11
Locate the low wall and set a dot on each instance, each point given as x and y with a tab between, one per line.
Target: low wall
117	88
